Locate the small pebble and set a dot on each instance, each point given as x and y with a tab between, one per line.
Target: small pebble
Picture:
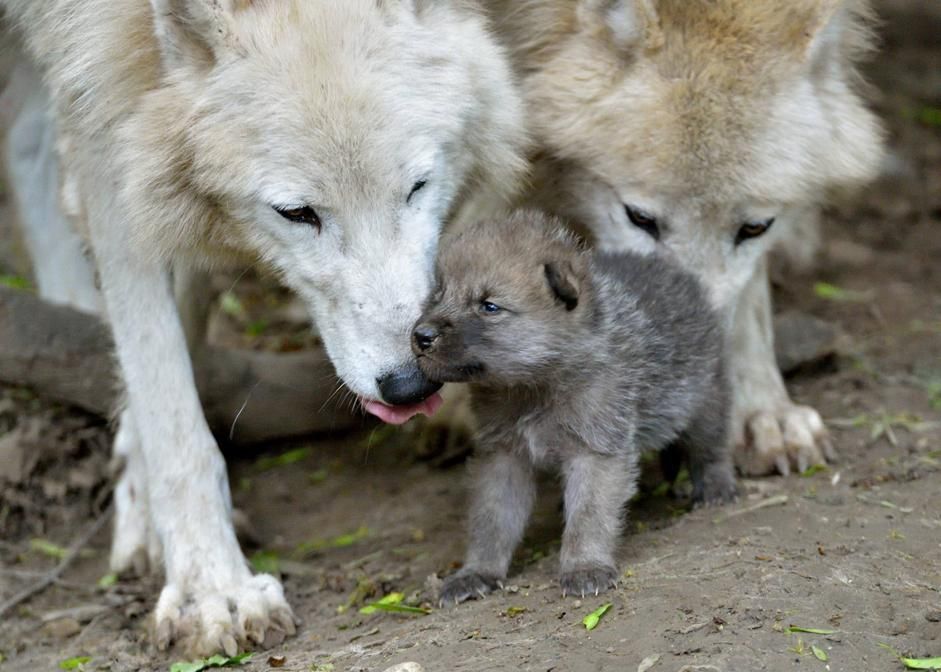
63	628
406	667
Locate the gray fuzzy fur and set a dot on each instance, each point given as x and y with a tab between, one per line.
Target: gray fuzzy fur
594	359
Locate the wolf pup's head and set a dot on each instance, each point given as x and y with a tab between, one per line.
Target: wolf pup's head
510	302
330	140
705	127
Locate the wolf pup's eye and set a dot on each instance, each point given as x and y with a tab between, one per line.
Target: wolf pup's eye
418	186
488	308
751	230
306	215
644	222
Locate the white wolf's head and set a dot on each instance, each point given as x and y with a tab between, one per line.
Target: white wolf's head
331	140
694	125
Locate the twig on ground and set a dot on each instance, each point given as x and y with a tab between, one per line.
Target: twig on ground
779	500
53	575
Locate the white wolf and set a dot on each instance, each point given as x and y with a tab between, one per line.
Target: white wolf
694	125
329	140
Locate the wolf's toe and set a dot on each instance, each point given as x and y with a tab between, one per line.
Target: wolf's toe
791	438
466	585
250	614
588	581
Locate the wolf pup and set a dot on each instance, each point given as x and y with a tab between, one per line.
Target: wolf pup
712	131
579	360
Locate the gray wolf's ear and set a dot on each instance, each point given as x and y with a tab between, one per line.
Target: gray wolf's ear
562	282
193	33
629	24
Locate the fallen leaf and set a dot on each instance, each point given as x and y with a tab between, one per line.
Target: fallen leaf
48	548
833	293
108	580
214	661
592	620
513	612
74	663
266	562
922	663
284	459
393	603
810	631
276	661
14	282
819	653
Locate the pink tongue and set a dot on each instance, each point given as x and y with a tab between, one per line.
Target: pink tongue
399	415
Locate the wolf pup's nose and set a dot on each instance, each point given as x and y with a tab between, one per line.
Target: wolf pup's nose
406	386
425	336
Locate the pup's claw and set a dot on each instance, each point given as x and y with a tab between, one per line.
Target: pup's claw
589	580
466	585
790	438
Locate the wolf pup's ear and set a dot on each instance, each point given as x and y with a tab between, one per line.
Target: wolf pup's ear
630	24
193	33
562	282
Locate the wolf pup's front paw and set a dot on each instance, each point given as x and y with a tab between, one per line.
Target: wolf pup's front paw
716	489
466	585
588	581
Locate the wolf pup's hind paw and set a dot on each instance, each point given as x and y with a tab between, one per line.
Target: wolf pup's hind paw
253	613
793	437
588	581
466	585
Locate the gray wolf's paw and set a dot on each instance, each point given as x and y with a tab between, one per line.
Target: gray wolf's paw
205	621
588	581
789	437
466	585
716	489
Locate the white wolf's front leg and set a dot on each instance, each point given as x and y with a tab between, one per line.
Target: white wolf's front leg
211	601
771	432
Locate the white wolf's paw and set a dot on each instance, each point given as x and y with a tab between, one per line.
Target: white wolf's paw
791	436
208	620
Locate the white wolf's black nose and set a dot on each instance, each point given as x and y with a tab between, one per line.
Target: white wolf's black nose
406	386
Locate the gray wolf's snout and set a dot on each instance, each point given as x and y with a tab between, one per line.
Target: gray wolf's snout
406	386
425	336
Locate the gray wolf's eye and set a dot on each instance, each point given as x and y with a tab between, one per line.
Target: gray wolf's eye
751	230
306	215
646	223
488	308
415	189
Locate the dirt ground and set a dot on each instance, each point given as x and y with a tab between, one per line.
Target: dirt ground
854	549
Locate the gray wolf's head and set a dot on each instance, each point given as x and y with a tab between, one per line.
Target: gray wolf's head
330	140
510	300
706	128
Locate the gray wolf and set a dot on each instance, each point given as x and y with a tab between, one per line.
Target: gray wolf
712	131
329	141
580	360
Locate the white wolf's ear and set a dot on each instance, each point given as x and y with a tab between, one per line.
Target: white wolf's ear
630	24
840	29
193	33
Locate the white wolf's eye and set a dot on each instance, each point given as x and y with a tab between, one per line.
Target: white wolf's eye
751	230
306	215
646	223
418	186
